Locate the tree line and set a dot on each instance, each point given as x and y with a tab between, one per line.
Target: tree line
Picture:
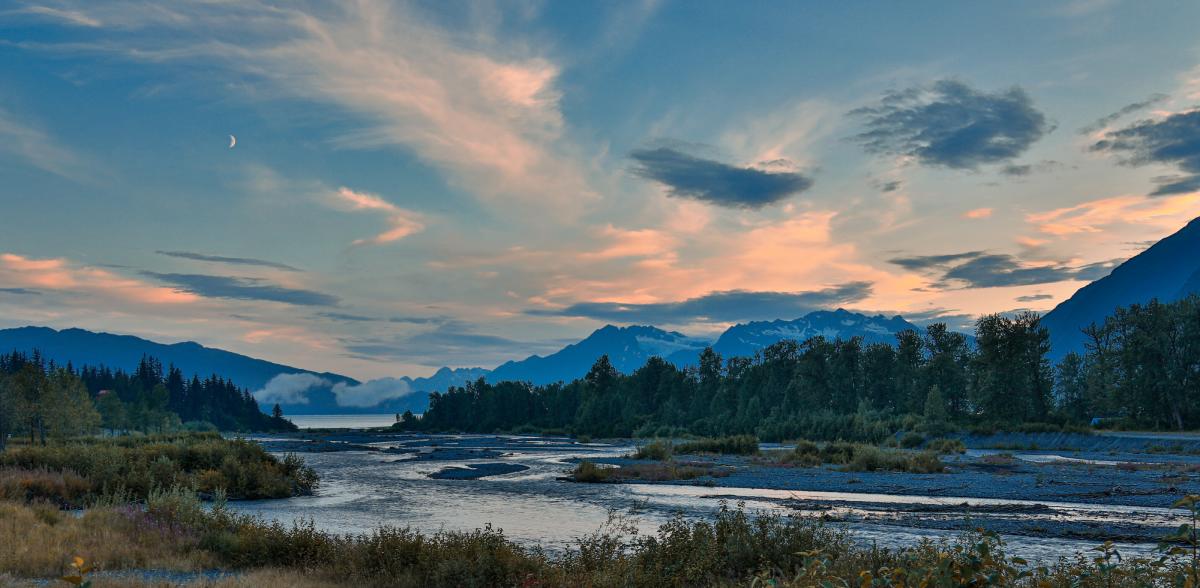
41	400
1141	368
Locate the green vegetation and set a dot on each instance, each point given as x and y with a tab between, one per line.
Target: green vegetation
42	401
735	445
657	450
176	532
859	457
1139	370
911	440
73	473
588	471
946	446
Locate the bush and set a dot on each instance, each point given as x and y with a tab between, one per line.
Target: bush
204	462
590	472
656	450
735	445
947	446
912	440
869	459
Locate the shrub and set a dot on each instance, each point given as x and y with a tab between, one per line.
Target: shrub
590	472
204	462
735	445
912	440
947	446
656	450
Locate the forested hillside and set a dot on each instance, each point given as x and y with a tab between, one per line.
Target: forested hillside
43	399
1140	368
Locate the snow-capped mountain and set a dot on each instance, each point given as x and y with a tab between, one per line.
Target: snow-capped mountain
628	348
745	339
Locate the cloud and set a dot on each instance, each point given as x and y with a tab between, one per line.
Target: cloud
289	388
1173	140
371	393
688	176
19	138
1035	297
483	109
1102	215
978	213
728	306
344	317
242	289
1021	170
20	291
924	262
1103	122
891	186
71	17
23	273
448	343
950	124
979	269
228	260
403	222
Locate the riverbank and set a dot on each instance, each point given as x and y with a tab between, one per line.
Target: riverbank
1083	491
176	541
458	500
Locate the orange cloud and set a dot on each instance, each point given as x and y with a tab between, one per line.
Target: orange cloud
60	274
632	243
404	222
978	213
1097	215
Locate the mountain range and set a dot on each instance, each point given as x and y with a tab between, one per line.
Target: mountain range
1168	270
628	348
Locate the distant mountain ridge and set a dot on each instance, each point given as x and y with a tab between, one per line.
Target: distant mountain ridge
745	339
81	347
1167	271
628	348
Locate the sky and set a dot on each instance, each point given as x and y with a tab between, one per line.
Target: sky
463	183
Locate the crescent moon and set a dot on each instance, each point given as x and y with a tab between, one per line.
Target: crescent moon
232	141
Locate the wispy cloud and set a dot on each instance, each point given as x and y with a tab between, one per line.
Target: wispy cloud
22	274
228	260
1103	122
979	269
484	110
20	138
243	289
730	306
403	222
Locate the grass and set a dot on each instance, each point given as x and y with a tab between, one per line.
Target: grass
859	457
662	450
74	472
946	446
590	472
734	548
735	445
655	450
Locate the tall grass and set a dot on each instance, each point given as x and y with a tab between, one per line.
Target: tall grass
136	466
859	457
735	548
735	445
